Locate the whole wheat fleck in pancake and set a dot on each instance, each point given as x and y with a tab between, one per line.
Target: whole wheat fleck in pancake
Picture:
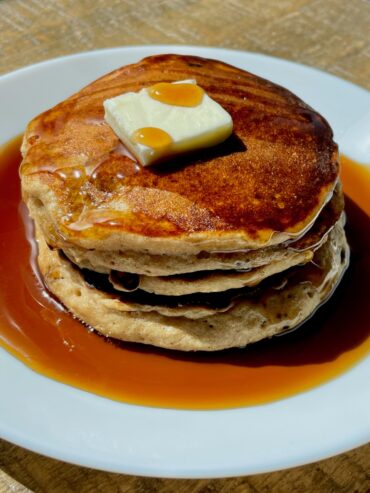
265	185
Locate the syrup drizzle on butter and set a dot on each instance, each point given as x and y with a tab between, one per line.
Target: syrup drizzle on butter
182	94
153	137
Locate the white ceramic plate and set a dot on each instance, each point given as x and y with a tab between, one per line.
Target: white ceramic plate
68	424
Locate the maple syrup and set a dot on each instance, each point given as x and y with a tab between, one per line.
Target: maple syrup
35	328
153	137
180	94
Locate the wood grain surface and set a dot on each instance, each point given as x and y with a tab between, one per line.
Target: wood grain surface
333	35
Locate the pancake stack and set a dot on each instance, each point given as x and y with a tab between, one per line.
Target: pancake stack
207	251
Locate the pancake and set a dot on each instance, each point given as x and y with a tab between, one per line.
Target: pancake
265	185
206	251
255	315
165	265
204	282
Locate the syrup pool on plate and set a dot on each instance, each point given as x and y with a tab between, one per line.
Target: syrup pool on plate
36	329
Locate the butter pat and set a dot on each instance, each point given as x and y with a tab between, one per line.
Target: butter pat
154	130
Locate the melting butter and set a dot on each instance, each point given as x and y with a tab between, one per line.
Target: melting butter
187	117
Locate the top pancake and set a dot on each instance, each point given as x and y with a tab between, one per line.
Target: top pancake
264	185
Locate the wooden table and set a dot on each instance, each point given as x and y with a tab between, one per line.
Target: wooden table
333	35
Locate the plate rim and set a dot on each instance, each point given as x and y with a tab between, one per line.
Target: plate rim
177	48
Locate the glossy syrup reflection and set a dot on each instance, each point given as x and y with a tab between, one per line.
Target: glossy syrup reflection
36	329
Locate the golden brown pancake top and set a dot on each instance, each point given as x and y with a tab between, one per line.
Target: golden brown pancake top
273	174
